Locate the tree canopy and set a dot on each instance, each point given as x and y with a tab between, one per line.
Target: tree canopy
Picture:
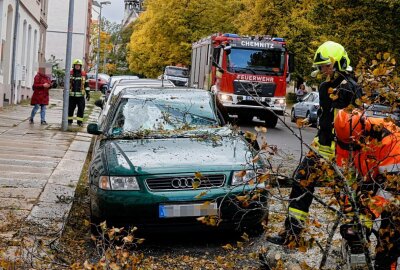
164	32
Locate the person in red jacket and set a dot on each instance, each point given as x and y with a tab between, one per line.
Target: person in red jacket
40	97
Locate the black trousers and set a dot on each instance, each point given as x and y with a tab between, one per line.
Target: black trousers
73	103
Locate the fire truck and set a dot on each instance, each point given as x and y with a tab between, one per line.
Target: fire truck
246	73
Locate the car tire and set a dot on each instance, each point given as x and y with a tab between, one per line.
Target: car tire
270	120
292	116
313	124
94	223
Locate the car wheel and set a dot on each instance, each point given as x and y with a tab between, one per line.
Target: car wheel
292	116
313	124
94	224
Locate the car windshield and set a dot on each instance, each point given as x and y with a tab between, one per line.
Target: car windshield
177	72
241	60
162	116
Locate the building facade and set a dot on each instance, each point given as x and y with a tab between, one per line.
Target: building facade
56	39
22	46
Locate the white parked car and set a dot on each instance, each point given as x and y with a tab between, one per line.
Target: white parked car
123	84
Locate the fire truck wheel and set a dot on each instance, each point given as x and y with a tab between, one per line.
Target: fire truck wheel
271	121
245	118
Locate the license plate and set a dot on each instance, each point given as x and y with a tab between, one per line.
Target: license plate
251	98
187	210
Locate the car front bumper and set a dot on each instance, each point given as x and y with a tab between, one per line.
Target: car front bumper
142	208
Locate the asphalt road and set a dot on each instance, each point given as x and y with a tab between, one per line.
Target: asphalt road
283	136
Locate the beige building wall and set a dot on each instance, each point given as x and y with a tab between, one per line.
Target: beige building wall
30	21
56	40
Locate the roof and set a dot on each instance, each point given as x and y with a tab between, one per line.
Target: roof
160	92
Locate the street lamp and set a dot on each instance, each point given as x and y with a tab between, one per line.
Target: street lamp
100	5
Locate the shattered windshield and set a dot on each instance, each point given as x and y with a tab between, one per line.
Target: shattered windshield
255	61
151	115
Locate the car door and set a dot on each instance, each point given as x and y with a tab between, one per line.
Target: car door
309	103
300	108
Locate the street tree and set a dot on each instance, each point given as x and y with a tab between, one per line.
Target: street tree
163	34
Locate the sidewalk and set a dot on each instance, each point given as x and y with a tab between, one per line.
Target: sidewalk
39	169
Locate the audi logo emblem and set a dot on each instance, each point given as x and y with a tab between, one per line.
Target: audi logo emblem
185	182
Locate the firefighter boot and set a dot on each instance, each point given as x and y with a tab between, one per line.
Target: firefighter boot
291	233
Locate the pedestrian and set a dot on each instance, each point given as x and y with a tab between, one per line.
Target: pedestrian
79	88
301	92
338	91
40	97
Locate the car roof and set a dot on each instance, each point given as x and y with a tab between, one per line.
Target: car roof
149	82
177	67
160	92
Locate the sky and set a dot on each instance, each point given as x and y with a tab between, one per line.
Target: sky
114	12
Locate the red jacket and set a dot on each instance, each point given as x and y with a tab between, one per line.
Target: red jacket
40	93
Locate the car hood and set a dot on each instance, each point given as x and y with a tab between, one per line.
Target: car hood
175	155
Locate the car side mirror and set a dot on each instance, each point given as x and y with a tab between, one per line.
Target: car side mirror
99	103
93	128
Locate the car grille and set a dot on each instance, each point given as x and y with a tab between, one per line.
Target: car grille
184	182
255	88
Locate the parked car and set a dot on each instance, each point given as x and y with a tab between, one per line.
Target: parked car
178	75
128	83
383	111
102	81
165	159
113	79
306	108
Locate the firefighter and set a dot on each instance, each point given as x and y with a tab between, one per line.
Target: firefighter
338	91
376	158
79	88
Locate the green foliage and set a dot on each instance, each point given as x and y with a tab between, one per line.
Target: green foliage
165	31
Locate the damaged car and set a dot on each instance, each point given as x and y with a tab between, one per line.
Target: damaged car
165	158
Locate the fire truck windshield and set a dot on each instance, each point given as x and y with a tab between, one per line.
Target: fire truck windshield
256	61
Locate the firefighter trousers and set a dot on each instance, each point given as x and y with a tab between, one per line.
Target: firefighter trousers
300	198
73	103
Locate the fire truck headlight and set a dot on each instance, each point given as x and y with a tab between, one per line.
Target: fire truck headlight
225	98
280	102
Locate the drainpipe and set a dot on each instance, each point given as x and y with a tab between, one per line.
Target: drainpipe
14	54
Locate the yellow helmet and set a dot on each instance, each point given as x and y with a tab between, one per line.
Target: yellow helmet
77	62
332	53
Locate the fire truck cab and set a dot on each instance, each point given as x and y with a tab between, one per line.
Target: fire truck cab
248	74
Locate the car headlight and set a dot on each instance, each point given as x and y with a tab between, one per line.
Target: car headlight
243	177
118	183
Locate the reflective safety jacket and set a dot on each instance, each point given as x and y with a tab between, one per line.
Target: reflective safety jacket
382	153
79	85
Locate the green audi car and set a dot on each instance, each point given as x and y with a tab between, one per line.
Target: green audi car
164	158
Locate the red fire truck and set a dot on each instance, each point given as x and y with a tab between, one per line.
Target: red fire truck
246	74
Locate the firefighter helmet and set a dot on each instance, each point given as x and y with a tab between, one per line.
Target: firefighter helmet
77	62
332	53
350	126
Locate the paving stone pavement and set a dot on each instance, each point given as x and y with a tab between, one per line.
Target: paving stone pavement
39	168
